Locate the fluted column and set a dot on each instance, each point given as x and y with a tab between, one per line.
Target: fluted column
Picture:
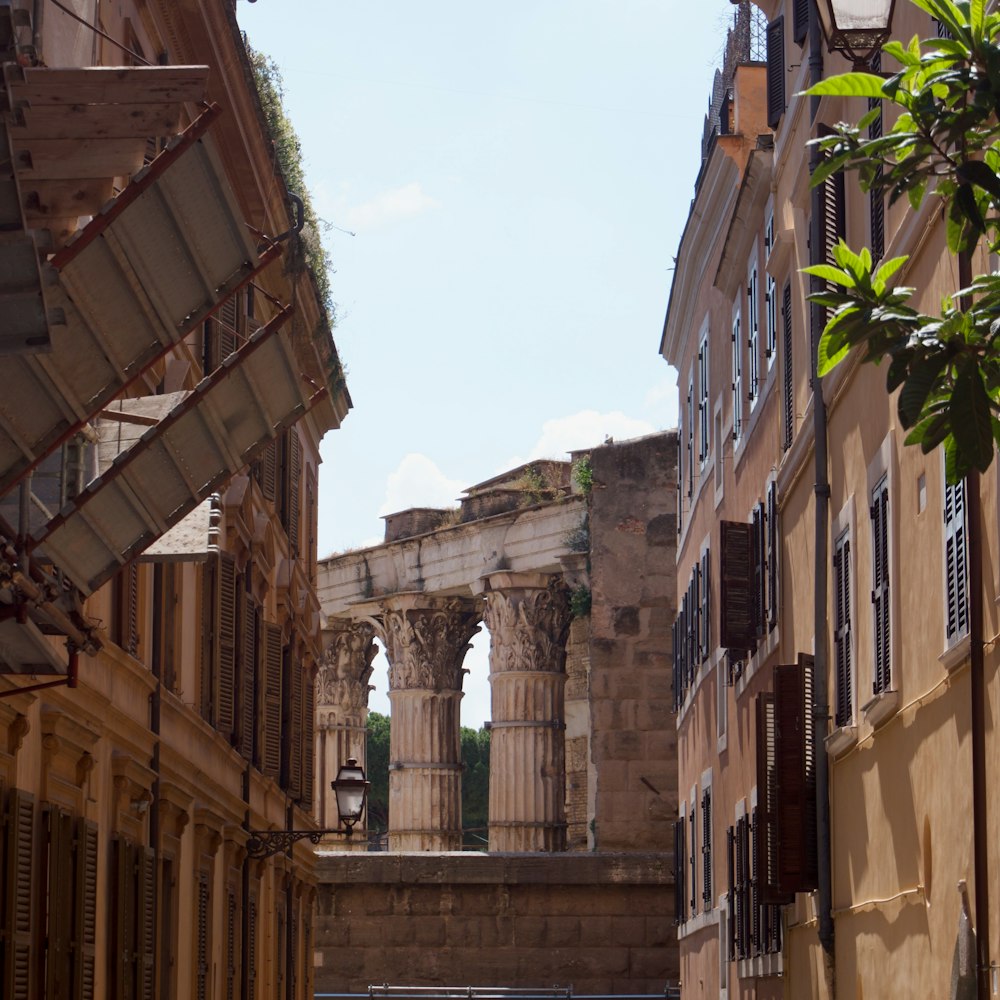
527	615
342	713
426	642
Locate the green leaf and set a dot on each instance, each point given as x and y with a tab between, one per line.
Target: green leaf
826	362
969	411
978	173
889	268
918	386
830	273
848	85
933	429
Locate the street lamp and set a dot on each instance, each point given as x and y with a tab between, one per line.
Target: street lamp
351	790
856	28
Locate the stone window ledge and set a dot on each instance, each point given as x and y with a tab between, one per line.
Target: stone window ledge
761	965
698	923
881	708
841	740
956	654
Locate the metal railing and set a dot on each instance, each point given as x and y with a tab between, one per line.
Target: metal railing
387	992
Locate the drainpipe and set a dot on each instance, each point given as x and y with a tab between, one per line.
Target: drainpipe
821	489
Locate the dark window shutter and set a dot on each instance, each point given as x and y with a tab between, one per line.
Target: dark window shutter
706	606
248	677
731	893
146	930
209	647
225	697
755	860
772	556
736	612
18	902
844	713
680	898
834	208
251	969
125	918
796	777
271	757
269	470
693	864
706	848
956	562
59	916
767	800
228	328
788	380
676	650
695	607
201	939
292	726
800	21
775	71
294	475
308	738
880	586
85	907
759	578
230	973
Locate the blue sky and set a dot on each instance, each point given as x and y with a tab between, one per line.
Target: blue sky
517	177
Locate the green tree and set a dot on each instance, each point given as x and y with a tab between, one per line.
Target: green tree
377	772
942	144
475	786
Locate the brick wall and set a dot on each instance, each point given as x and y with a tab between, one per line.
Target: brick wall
596	922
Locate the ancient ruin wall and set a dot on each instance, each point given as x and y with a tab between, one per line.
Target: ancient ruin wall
598	923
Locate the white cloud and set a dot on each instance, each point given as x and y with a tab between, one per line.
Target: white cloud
418	482
389	206
661	402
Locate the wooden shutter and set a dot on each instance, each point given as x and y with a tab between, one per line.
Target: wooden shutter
225	692
230	971
251	968
753	331
294	475
796	777
60	834
125	919
706	847
209	647
735	615
788	381
879	511
800	20
292	734
705	614
955	562
228	328
201	939
834	209
759	579
767	799
676	647
755	865
775	71
843	666
248	677
19	911
308	738
269	470
271	757
737	379
85	907
731	892
693	854
876	197
145	874
772	555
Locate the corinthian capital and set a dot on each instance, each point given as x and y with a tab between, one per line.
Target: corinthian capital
343	675
528	618
426	640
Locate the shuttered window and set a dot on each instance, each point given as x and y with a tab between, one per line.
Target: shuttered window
308	738
706	848
737	380
833	208
231	981
125	598
775	71
209	669
291	476
251	969
690	438
680	853
758	574
787	371
740	850
800	20
134	921
705	613
18	923
879	511
772	554
771	320
956	564
249	669
291	736
731	892
693	863
736	600
876	197
753	333
226	630
703	414
271	757
201	929
842	641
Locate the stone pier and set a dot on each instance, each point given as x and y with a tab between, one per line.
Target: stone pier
528	618
341	711
426	642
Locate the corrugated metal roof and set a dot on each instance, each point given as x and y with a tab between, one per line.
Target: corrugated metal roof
208	436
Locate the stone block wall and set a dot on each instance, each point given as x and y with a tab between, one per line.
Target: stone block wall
633	735
578	735
596	922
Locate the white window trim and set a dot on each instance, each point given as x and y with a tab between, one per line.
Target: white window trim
752	331
737	375
955	650
845	736
704	405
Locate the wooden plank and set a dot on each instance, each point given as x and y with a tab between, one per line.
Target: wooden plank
45	200
65	159
110	85
98	121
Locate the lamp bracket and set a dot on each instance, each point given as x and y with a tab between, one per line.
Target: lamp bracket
265	843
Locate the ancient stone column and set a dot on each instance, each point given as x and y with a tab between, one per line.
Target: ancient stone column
342	714
426	642
527	615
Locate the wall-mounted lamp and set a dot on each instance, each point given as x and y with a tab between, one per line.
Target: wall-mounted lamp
856	28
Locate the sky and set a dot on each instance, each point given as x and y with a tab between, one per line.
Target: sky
504	188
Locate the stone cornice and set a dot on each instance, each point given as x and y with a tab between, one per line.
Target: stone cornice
528	618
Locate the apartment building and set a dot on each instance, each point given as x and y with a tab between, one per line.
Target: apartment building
169	372
822	573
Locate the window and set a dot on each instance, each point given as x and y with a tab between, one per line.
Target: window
771	554
704	611
833	205
775	71
680	855
844	695
759	576
800	20
876	197
134	918
692	840
706	847
703	414
753	333
787	379
690	437
879	511
735	596
737	379
956	565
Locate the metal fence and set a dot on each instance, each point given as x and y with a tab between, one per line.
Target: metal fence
387	992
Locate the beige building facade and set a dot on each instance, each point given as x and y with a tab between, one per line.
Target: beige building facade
168	381
875	687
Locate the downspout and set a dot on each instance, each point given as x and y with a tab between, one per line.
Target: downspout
821	489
